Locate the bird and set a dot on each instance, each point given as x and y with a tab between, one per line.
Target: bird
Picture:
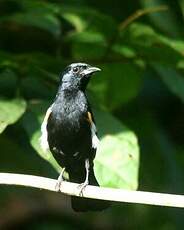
69	132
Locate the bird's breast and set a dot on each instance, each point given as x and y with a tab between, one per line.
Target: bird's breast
68	115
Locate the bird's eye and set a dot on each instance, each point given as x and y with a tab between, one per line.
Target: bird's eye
75	69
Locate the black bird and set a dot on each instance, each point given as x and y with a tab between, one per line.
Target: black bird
69	131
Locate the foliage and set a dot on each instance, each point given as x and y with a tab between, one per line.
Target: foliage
10	112
137	96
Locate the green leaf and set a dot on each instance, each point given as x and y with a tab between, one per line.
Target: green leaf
90	37
39	6
38	14
118	145
117	84
181	3
43	21
78	23
159	18
124	50
152	46
10	112
88	19
117	159
173	80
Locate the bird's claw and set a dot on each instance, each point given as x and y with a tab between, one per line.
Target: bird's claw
58	186
59	181
81	187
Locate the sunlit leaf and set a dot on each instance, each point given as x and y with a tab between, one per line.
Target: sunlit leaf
75	20
117	160
10	112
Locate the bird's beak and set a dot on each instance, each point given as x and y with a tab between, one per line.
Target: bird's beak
90	70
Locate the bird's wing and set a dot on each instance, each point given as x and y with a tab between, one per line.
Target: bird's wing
44	135
95	140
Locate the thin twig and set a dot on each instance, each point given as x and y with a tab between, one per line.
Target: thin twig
137	14
119	195
140	13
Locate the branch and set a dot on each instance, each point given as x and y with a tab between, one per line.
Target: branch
112	194
123	25
140	13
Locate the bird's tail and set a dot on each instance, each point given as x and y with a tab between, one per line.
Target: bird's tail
81	204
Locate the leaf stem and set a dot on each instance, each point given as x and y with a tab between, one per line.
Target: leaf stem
139	13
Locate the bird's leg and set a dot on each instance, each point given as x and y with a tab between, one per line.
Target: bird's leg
86	182
59	180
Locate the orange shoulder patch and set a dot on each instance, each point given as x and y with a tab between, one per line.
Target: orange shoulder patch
89	117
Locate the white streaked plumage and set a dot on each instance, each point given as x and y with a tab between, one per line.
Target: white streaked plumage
44	135
95	140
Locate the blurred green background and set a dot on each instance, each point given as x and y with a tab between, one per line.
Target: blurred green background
137	100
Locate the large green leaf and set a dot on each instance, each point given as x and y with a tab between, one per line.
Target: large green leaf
10	112
117	84
117	160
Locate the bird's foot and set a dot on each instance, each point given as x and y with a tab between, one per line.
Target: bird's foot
58	185
81	187
59	181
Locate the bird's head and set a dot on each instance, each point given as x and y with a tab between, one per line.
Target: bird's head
77	76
